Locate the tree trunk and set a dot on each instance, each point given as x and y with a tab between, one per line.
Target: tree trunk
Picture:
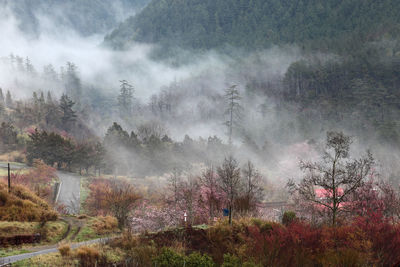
230	214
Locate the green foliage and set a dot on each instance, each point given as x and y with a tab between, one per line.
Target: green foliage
169	258
8	135
231	261
85	17
69	115
258	23
359	92
198	260
251	264
288	217
53	148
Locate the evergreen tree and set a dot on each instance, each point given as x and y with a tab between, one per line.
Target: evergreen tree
68	114
8	135
116	136
49	73
9	101
233	111
29	67
2	103
125	98
2	109
1	97
41	99
49	99
72	83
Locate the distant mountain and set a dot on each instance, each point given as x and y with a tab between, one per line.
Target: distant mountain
204	24
83	16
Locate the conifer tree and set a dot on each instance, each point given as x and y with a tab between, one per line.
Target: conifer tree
68	114
72	82
233	111
9	101
125	98
1	96
49	99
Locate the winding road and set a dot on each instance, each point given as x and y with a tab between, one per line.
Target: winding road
69	196
11	259
69	191
13	166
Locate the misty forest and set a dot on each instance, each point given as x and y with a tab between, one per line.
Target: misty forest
200	133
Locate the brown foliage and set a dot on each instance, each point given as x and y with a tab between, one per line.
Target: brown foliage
114	197
23	205
362	243
38	179
65	250
105	224
88	256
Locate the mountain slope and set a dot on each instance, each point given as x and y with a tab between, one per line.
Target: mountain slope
255	23
85	17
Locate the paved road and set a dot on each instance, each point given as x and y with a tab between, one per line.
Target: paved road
13	166
70	186
11	259
69	194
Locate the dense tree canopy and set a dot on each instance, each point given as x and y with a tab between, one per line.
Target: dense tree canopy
258	23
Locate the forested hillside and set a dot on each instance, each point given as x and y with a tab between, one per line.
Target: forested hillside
348	74
258	23
85	17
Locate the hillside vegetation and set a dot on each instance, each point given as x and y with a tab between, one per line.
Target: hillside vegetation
85	17
23	205
258	23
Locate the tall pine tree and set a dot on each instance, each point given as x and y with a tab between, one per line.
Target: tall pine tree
125	98
68	114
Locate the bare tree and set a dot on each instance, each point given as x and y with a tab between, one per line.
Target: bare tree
229	176
150	128
252	191
188	191
208	181
336	176
174	181
120	199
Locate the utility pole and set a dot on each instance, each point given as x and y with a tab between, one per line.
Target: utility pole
9	179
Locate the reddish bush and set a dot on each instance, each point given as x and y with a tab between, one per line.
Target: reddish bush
112	197
39	179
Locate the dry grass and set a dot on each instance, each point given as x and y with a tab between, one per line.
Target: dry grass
82	216
96	227
52	259
14	156
84	256
103	225
54	231
18	228
23	205
65	250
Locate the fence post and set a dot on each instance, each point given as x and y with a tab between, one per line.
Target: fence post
9	179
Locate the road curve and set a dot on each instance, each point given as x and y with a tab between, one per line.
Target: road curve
11	259
69	192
